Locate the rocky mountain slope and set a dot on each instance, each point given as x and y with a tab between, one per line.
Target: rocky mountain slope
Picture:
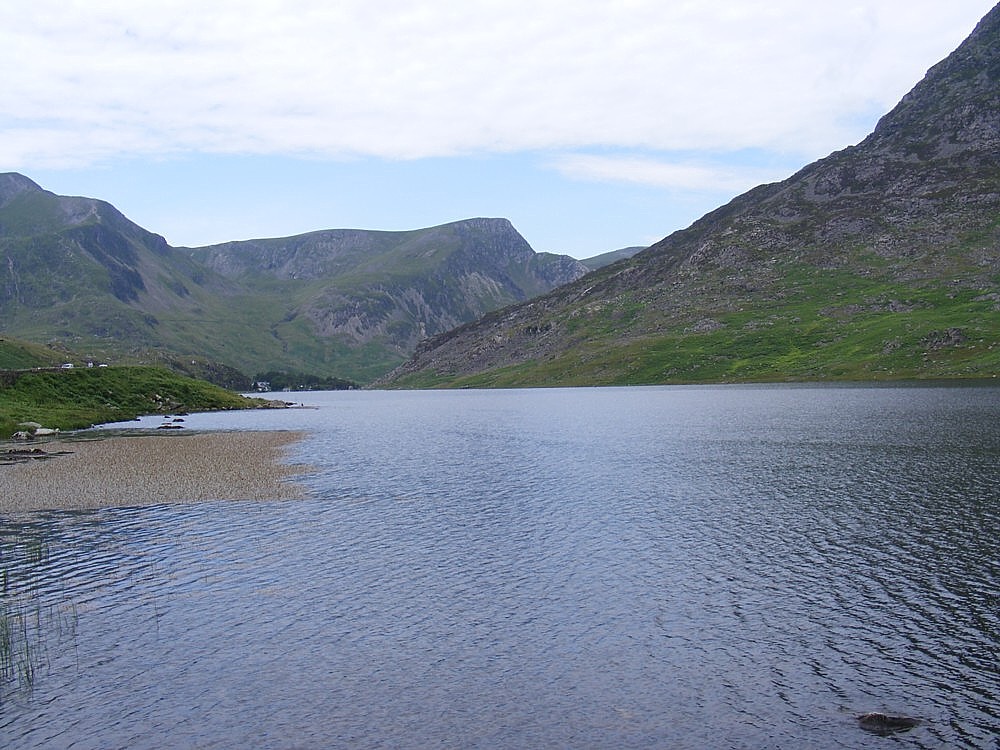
56	248
879	261
394	287
75	272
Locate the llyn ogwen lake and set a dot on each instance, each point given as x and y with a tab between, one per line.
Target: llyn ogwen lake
663	567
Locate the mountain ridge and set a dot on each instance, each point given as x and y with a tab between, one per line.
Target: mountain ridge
78	272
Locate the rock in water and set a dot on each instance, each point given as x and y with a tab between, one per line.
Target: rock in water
884	724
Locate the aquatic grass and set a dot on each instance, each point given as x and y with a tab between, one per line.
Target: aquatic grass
18	648
27	623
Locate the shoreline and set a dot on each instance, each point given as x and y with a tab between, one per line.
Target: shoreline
75	473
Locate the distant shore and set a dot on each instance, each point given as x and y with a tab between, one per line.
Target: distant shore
121	471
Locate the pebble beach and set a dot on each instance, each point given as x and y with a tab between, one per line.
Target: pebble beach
122	471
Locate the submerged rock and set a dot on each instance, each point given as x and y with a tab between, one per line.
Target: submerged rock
880	723
19	455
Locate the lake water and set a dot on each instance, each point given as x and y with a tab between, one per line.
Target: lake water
665	567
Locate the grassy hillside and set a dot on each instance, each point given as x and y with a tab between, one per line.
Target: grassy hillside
874	329
81	397
606	259
21	355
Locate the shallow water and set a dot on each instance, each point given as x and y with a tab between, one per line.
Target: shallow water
728	567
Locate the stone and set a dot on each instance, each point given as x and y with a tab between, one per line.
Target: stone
885	724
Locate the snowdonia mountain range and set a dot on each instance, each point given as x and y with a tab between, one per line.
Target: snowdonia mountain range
879	261
76	273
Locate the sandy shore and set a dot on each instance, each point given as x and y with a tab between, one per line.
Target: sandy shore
150	469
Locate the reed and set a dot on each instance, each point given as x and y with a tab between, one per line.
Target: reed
24	619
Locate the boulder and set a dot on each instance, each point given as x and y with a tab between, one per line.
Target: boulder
32	430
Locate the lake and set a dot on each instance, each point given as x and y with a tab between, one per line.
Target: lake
656	567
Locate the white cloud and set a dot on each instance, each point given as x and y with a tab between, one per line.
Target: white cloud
673	175
402	79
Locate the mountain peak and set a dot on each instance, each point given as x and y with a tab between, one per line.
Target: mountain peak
957	102
13	184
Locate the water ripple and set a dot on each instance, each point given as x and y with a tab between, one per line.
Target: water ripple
675	567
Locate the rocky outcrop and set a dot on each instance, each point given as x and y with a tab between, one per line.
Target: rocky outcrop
32	430
22	455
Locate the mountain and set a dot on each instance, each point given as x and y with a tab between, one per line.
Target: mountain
606	259
392	289
879	261
76	270
76	273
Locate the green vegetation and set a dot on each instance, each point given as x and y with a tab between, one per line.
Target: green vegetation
23	620
824	325
81	397
27	626
280	380
21	355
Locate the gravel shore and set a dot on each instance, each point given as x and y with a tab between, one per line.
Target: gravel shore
121	471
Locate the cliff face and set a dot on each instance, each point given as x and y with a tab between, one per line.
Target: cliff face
853	267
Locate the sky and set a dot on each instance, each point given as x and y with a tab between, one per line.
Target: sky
591	125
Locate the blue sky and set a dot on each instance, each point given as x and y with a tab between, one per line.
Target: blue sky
590	125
